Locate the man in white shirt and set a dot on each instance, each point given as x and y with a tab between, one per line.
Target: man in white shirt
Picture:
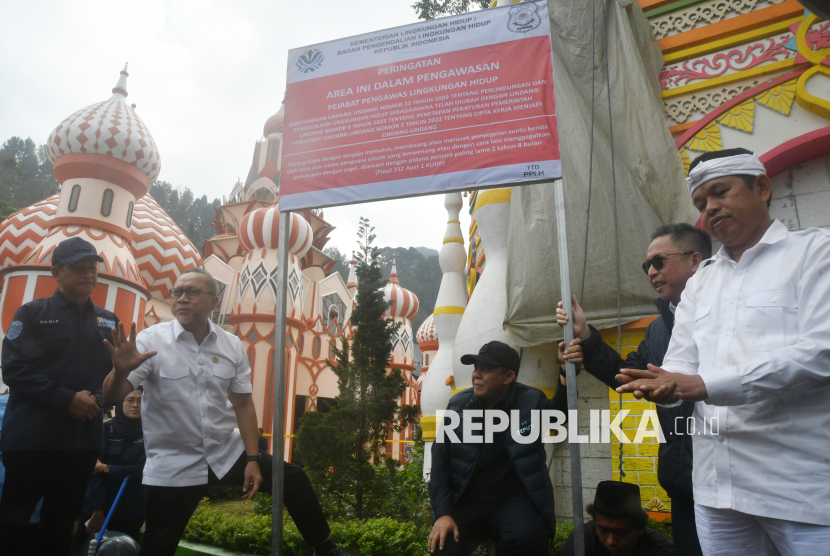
751	343
197	388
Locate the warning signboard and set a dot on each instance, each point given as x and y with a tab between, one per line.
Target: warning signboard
454	103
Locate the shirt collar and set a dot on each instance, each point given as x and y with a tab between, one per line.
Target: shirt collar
672	308
63	301
775	233
178	329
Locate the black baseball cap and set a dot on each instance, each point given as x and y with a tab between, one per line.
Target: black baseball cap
497	354
618	500
73	250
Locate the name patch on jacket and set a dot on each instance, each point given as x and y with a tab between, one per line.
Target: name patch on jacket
46	322
106	323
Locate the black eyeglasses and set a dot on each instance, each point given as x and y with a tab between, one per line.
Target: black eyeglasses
191	293
657	260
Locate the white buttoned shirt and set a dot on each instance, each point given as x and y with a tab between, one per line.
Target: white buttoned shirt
188	421
758	334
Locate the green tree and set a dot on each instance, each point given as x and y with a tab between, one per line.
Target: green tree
431	9
194	215
25	173
344	450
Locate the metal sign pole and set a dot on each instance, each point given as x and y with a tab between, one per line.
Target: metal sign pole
570	368
278	397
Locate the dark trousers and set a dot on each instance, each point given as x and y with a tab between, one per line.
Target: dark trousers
60	477
683	527
515	525
169	508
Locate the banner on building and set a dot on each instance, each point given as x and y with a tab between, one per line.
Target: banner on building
462	102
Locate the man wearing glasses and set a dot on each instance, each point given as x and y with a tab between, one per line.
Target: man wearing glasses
675	253
751	342
197	387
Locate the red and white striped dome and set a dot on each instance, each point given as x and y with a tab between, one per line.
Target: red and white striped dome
260	229
23	230
427	333
161	250
405	303
275	123
111	128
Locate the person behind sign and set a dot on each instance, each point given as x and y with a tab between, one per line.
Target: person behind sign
54	362
674	255
751	341
197	385
618	525
499	490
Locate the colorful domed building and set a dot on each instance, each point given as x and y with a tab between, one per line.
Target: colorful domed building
105	159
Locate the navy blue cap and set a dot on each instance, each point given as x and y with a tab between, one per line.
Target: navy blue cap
72	250
497	354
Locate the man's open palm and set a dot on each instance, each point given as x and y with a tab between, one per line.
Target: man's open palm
125	355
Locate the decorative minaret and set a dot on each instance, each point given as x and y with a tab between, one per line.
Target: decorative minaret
351	284
403	309
449	308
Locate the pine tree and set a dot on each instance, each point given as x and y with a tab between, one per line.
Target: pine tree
344	450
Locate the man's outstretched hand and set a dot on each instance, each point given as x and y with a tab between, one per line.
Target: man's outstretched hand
443	528
125	355
660	386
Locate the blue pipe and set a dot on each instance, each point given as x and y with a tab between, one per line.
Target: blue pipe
112	511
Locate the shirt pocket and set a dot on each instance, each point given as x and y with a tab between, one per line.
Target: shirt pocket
223	373
175	382
771	320
702	322
54	341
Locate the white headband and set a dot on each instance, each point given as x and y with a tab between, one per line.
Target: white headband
747	164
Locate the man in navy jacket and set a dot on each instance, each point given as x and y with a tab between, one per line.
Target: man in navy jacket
54	362
674	255
499	490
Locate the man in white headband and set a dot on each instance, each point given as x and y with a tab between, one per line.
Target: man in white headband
751	344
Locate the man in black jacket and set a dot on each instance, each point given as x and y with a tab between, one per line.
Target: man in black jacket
675	253
499	490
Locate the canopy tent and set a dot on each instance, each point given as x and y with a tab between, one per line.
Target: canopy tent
648	171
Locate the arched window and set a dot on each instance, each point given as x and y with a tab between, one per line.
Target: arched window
426	360
130	215
315	347
106	204
73	197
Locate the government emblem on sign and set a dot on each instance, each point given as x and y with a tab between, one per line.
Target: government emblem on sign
310	60
523	18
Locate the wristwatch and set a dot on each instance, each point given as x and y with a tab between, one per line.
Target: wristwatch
257	458
102	401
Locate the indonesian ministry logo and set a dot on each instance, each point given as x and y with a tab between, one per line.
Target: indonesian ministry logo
310	60
523	18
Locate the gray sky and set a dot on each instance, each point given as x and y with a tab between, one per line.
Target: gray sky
205	75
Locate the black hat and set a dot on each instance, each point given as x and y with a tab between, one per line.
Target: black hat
497	354
72	250
615	499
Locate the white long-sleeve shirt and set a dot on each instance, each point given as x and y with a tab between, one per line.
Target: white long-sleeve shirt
758	334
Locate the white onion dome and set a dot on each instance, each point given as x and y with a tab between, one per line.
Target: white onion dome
426	333
260	229
110	128
275	123
405	303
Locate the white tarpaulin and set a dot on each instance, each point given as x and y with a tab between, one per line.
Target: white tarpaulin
649	176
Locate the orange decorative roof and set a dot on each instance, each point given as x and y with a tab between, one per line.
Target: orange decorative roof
23	230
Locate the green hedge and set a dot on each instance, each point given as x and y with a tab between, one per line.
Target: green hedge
372	537
252	534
